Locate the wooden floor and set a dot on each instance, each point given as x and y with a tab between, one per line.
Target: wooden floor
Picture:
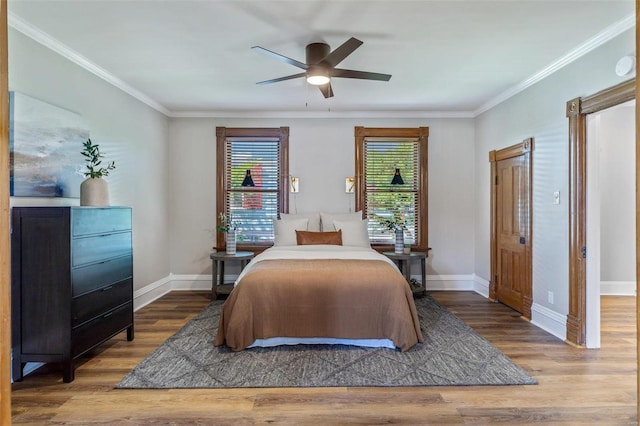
576	386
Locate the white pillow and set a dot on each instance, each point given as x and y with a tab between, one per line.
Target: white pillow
284	231
314	219
327	219
354	233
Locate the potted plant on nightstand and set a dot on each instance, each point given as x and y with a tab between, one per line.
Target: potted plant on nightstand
94	191
395	223
229	227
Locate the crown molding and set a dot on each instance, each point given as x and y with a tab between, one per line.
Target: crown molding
599	39
65	51
48	41
321	114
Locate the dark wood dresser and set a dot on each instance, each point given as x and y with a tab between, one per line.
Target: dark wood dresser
71	282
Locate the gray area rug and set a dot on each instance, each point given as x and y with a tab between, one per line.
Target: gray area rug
452	355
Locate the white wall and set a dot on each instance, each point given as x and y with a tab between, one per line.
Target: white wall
539	112
166	167
322	155
617	197
132	134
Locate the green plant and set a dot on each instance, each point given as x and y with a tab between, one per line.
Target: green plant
227	223
93	157
392	223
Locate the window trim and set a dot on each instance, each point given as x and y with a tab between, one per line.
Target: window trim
222	133
421	134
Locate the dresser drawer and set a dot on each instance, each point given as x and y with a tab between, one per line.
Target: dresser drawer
87	221
100	329
88	278
99	248
97	302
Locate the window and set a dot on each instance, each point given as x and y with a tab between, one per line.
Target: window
263	152
379	152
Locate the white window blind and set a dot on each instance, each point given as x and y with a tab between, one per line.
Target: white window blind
382	199
253	208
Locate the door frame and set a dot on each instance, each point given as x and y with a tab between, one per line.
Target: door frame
5	272
577	111
524	148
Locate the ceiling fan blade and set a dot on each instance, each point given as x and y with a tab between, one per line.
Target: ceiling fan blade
364	75
280	57
341	52
326	90
289	77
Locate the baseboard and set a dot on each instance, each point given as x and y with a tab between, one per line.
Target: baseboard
550	321
448	282
176	282
195	282
29	367
542	317
147	294
617	288
481	286
173	282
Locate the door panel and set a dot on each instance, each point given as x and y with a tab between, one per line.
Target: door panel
512	197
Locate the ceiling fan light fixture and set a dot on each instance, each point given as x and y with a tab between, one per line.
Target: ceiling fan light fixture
318	80
317	75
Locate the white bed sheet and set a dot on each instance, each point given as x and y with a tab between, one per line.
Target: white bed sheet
279	341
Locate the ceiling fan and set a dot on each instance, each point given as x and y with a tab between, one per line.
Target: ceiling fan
321	63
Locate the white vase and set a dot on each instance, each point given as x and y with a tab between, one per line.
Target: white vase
231	242
94	192
399	247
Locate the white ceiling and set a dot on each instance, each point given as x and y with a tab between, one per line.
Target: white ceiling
447	57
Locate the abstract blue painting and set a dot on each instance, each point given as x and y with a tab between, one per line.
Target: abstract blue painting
45	143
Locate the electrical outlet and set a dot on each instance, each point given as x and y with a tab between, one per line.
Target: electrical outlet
550	297
556	197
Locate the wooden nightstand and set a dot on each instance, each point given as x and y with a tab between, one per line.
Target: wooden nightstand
217	273
404	264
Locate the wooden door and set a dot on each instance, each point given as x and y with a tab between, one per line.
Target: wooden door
511	218
511	191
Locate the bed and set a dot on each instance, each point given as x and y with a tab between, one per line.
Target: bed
329	294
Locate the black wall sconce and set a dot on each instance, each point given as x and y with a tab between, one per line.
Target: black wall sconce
397	179
248	181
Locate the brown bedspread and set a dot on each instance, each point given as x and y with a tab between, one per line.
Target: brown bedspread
348	299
